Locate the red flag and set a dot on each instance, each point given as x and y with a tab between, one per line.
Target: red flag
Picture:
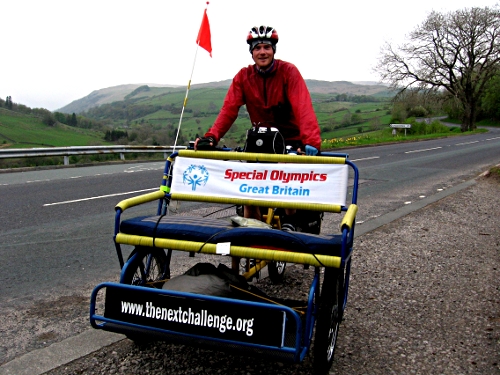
204	39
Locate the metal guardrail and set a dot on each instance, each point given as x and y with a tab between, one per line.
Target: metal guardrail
85	150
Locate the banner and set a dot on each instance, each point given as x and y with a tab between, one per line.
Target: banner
195	316
307	183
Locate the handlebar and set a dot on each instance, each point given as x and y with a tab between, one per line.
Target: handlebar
290	151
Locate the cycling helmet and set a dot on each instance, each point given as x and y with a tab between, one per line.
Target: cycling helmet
262	34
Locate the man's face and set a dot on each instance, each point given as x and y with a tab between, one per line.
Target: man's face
263	55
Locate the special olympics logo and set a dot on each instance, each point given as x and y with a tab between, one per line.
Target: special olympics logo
195	175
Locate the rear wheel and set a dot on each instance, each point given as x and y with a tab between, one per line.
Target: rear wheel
329	317
147	267
276	271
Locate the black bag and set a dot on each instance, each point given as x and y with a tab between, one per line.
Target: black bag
264	139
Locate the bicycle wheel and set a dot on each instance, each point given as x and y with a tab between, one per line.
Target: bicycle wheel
147	267
327	326
276	271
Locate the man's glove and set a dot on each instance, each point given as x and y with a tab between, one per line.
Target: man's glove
206	143
311	151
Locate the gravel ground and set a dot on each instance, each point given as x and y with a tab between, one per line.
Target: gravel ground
424	299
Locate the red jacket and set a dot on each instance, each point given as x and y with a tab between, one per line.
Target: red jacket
279	98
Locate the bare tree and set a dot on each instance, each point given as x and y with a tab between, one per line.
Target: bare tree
457	52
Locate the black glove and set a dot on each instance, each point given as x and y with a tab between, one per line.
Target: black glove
206	143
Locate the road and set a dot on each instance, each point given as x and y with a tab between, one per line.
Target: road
57	225
61	220
395	175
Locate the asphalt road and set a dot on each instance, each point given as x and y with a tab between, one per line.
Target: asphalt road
56	226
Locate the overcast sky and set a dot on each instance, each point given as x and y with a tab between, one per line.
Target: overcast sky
57	51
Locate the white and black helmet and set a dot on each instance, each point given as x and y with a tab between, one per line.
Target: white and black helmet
262	34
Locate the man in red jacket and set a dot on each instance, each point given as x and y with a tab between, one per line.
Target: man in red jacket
275	95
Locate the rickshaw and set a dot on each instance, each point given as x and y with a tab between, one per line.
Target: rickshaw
218	307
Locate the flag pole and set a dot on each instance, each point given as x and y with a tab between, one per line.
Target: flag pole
187	89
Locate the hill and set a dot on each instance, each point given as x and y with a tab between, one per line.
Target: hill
148	114
122	92
102	96
346	87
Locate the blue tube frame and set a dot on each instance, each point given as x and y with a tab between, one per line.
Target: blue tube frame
303	336
303	332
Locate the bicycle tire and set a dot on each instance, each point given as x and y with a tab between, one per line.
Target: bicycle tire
147	267
276	271
329	316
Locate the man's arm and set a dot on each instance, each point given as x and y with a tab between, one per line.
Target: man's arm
229	111
300	100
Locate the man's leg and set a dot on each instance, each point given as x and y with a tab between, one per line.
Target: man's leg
289	223
252	212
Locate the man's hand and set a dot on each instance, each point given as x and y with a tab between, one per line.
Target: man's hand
311	151
205	143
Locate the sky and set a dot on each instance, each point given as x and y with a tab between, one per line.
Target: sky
53	52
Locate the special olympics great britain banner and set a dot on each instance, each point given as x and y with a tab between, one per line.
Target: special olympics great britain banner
311	183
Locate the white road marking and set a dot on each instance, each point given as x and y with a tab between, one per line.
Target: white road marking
98	197
466	143
142	168
423	150
370	158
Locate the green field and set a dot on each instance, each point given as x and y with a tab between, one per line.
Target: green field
21	131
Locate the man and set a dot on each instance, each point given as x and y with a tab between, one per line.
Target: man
275	95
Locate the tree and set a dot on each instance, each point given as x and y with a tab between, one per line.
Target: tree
73	121
375	124
418	104
356	119
8	102
457	52
491	100
60	117
48	119
346	119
